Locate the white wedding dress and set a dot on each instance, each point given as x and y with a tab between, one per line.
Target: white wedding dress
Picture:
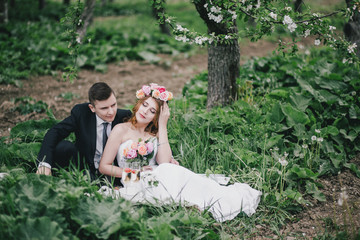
176	184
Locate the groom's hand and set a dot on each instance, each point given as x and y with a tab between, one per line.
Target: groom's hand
44	170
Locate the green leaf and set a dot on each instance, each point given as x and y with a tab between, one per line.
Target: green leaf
313	189
303	172
332	130
294	116
337	159
299	130
25	151
273	141
354	168
295	195
280	93
276	115
354	112
331	84
40	228
326	168
305	85
351	135
32	130
101	67
149	56
300	101
326	96
81	60
105	218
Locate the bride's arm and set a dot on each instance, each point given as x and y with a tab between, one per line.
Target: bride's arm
164	151
106	166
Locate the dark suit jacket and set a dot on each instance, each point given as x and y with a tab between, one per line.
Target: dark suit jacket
82	122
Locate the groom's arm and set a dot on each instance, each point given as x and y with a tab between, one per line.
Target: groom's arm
52	138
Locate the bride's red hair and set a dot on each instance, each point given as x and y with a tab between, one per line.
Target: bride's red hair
153	126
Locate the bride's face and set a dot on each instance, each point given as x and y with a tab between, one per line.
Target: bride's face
147	111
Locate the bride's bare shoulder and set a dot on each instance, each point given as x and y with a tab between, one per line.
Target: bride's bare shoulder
122	127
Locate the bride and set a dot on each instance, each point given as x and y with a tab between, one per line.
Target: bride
145	137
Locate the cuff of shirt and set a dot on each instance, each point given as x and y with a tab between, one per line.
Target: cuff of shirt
44	164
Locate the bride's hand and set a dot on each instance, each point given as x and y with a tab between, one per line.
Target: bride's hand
164	114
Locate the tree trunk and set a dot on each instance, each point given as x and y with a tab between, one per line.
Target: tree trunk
164	28
223	69
86	17
352	28
66	2
297	5
3	11
223	62
41	4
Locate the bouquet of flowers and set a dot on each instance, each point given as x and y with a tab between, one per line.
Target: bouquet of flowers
139	151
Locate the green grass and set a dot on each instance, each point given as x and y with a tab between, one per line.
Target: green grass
244	141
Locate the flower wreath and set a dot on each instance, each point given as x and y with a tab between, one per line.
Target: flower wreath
155	91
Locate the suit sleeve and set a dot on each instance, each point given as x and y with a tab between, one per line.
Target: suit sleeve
123	115
56	134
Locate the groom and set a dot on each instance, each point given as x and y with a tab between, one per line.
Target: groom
91	123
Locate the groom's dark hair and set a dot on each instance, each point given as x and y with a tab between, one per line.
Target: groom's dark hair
99	91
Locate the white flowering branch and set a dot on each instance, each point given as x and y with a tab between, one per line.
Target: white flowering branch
267	16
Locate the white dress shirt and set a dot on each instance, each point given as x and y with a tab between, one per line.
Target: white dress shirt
99	139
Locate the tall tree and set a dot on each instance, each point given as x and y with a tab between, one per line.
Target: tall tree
66	2
86	19
223	51
41	4
352	27
223	61
297	5
3	11
157	11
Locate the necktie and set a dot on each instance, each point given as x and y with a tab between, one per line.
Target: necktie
105	137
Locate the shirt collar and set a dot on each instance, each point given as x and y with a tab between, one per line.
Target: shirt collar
99	121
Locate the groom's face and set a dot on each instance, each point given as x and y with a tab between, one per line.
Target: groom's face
105	109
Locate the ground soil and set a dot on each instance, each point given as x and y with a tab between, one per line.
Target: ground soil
126	77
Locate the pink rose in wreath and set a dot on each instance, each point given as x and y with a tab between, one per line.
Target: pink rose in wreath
146	89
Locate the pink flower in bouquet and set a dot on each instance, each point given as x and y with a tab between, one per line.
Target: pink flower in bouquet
134	145
140	94
156	93
131	154
125	152
146	89
149	147
142	150
164	96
